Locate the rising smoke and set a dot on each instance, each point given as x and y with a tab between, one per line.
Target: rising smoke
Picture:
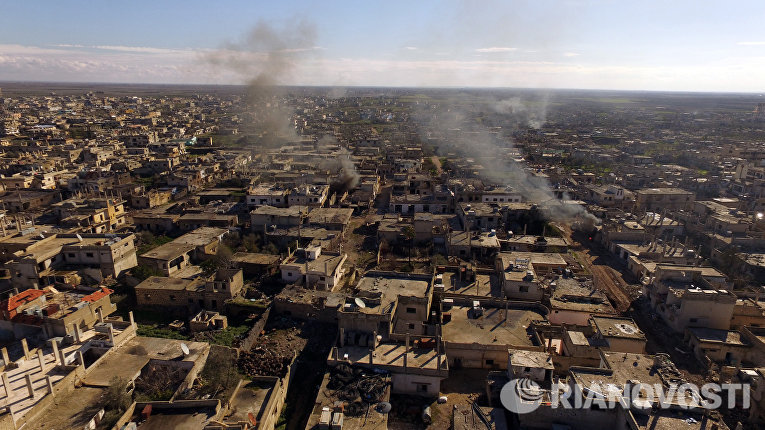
346	176
267	58
464	124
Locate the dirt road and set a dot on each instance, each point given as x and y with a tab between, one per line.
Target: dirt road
599	263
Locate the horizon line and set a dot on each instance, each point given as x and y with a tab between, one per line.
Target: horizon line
449	87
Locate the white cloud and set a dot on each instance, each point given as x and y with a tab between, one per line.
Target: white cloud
139	49
494	49
410	48
751	43
87	64
570	54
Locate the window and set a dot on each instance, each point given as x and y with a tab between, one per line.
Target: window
422	388
411	310
527	369
523	289
70	255
411	326
489	362
89	254
172	298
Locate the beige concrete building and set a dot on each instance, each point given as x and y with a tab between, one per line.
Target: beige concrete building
97	255
91	215
522	273
316	269
662	199
687	296
191	294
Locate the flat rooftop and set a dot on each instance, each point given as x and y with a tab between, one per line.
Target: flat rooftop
189	418
618	327
168	251
255	258
663	191
623	368
202	236
324	263
167	283
379	292
491	328
129	358
540	258
330	215
482	240
484	285
728	337
390	356
574	295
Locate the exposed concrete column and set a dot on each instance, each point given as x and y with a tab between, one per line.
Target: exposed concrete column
54	345
111	335
80	358
41	359
342	337
374	340
62	357
6	385
49	382
77	335
100	314
25	348
30	388
6	359
406	351
130	315
507	306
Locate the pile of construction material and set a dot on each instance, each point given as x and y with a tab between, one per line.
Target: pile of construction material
357	387
266	361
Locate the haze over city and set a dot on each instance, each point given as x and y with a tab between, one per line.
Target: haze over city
596	44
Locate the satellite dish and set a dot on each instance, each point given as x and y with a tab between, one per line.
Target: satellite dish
79	237
383	407
360	303
185	349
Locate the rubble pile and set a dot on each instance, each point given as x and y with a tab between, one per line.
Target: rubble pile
265	360
358	387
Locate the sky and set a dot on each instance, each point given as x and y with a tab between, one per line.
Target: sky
669	45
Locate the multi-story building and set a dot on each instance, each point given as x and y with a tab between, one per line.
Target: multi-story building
91	215
41	262
663	199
